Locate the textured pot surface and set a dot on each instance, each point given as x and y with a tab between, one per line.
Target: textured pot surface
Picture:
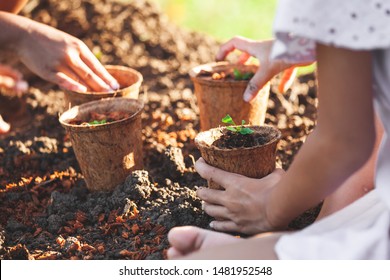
254	162
216	98
106	153
129	80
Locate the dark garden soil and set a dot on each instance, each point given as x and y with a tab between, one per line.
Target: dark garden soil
46	212
231	140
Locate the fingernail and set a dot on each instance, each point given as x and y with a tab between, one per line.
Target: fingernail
211	224
247	97
202	205
114	85
170	253
21	86
80	88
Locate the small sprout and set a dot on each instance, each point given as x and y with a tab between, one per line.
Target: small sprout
234	128
94	122
238	75
98	54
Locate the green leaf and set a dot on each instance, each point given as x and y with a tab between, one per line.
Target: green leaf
247	75
98	55
228	119
237	74
232	129
94	122
242	122
246	130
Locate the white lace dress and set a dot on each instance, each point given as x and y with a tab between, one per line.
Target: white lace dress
362	229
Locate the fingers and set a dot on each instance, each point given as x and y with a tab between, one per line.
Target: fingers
10	83
278	172
12	79
259	80
188	239
237	42
210	195
184	240
173	253
10	72
93	63
219	176
66	82
225	226
216	211
4	126
87	76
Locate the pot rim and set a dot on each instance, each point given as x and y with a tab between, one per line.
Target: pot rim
194	71
201	144
73	112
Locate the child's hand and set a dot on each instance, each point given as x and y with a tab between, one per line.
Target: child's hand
12	80
260	50
4	126
241	206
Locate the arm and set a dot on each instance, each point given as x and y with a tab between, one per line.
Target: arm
54	55
329	156
12	6
342	141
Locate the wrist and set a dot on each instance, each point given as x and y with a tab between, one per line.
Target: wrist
277	217
23	36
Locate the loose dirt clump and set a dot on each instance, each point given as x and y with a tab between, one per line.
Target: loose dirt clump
46	211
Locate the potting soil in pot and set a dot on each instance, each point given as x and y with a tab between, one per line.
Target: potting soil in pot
230	140
95	118
232	74
46	211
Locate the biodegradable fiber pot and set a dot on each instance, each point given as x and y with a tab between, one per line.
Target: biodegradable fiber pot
216	98
107	153
129	80
255	162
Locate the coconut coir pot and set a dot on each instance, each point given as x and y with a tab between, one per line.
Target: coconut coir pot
129	80
216	97
255	162
107	153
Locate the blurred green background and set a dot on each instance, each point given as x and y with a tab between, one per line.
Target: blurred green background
223	19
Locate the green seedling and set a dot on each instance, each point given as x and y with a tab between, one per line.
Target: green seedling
234	127
94	122
238	75
98	55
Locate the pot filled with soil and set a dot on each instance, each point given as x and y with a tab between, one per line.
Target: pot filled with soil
219	88
129	80
107	140
243	149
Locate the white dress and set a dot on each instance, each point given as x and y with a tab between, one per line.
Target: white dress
362	229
